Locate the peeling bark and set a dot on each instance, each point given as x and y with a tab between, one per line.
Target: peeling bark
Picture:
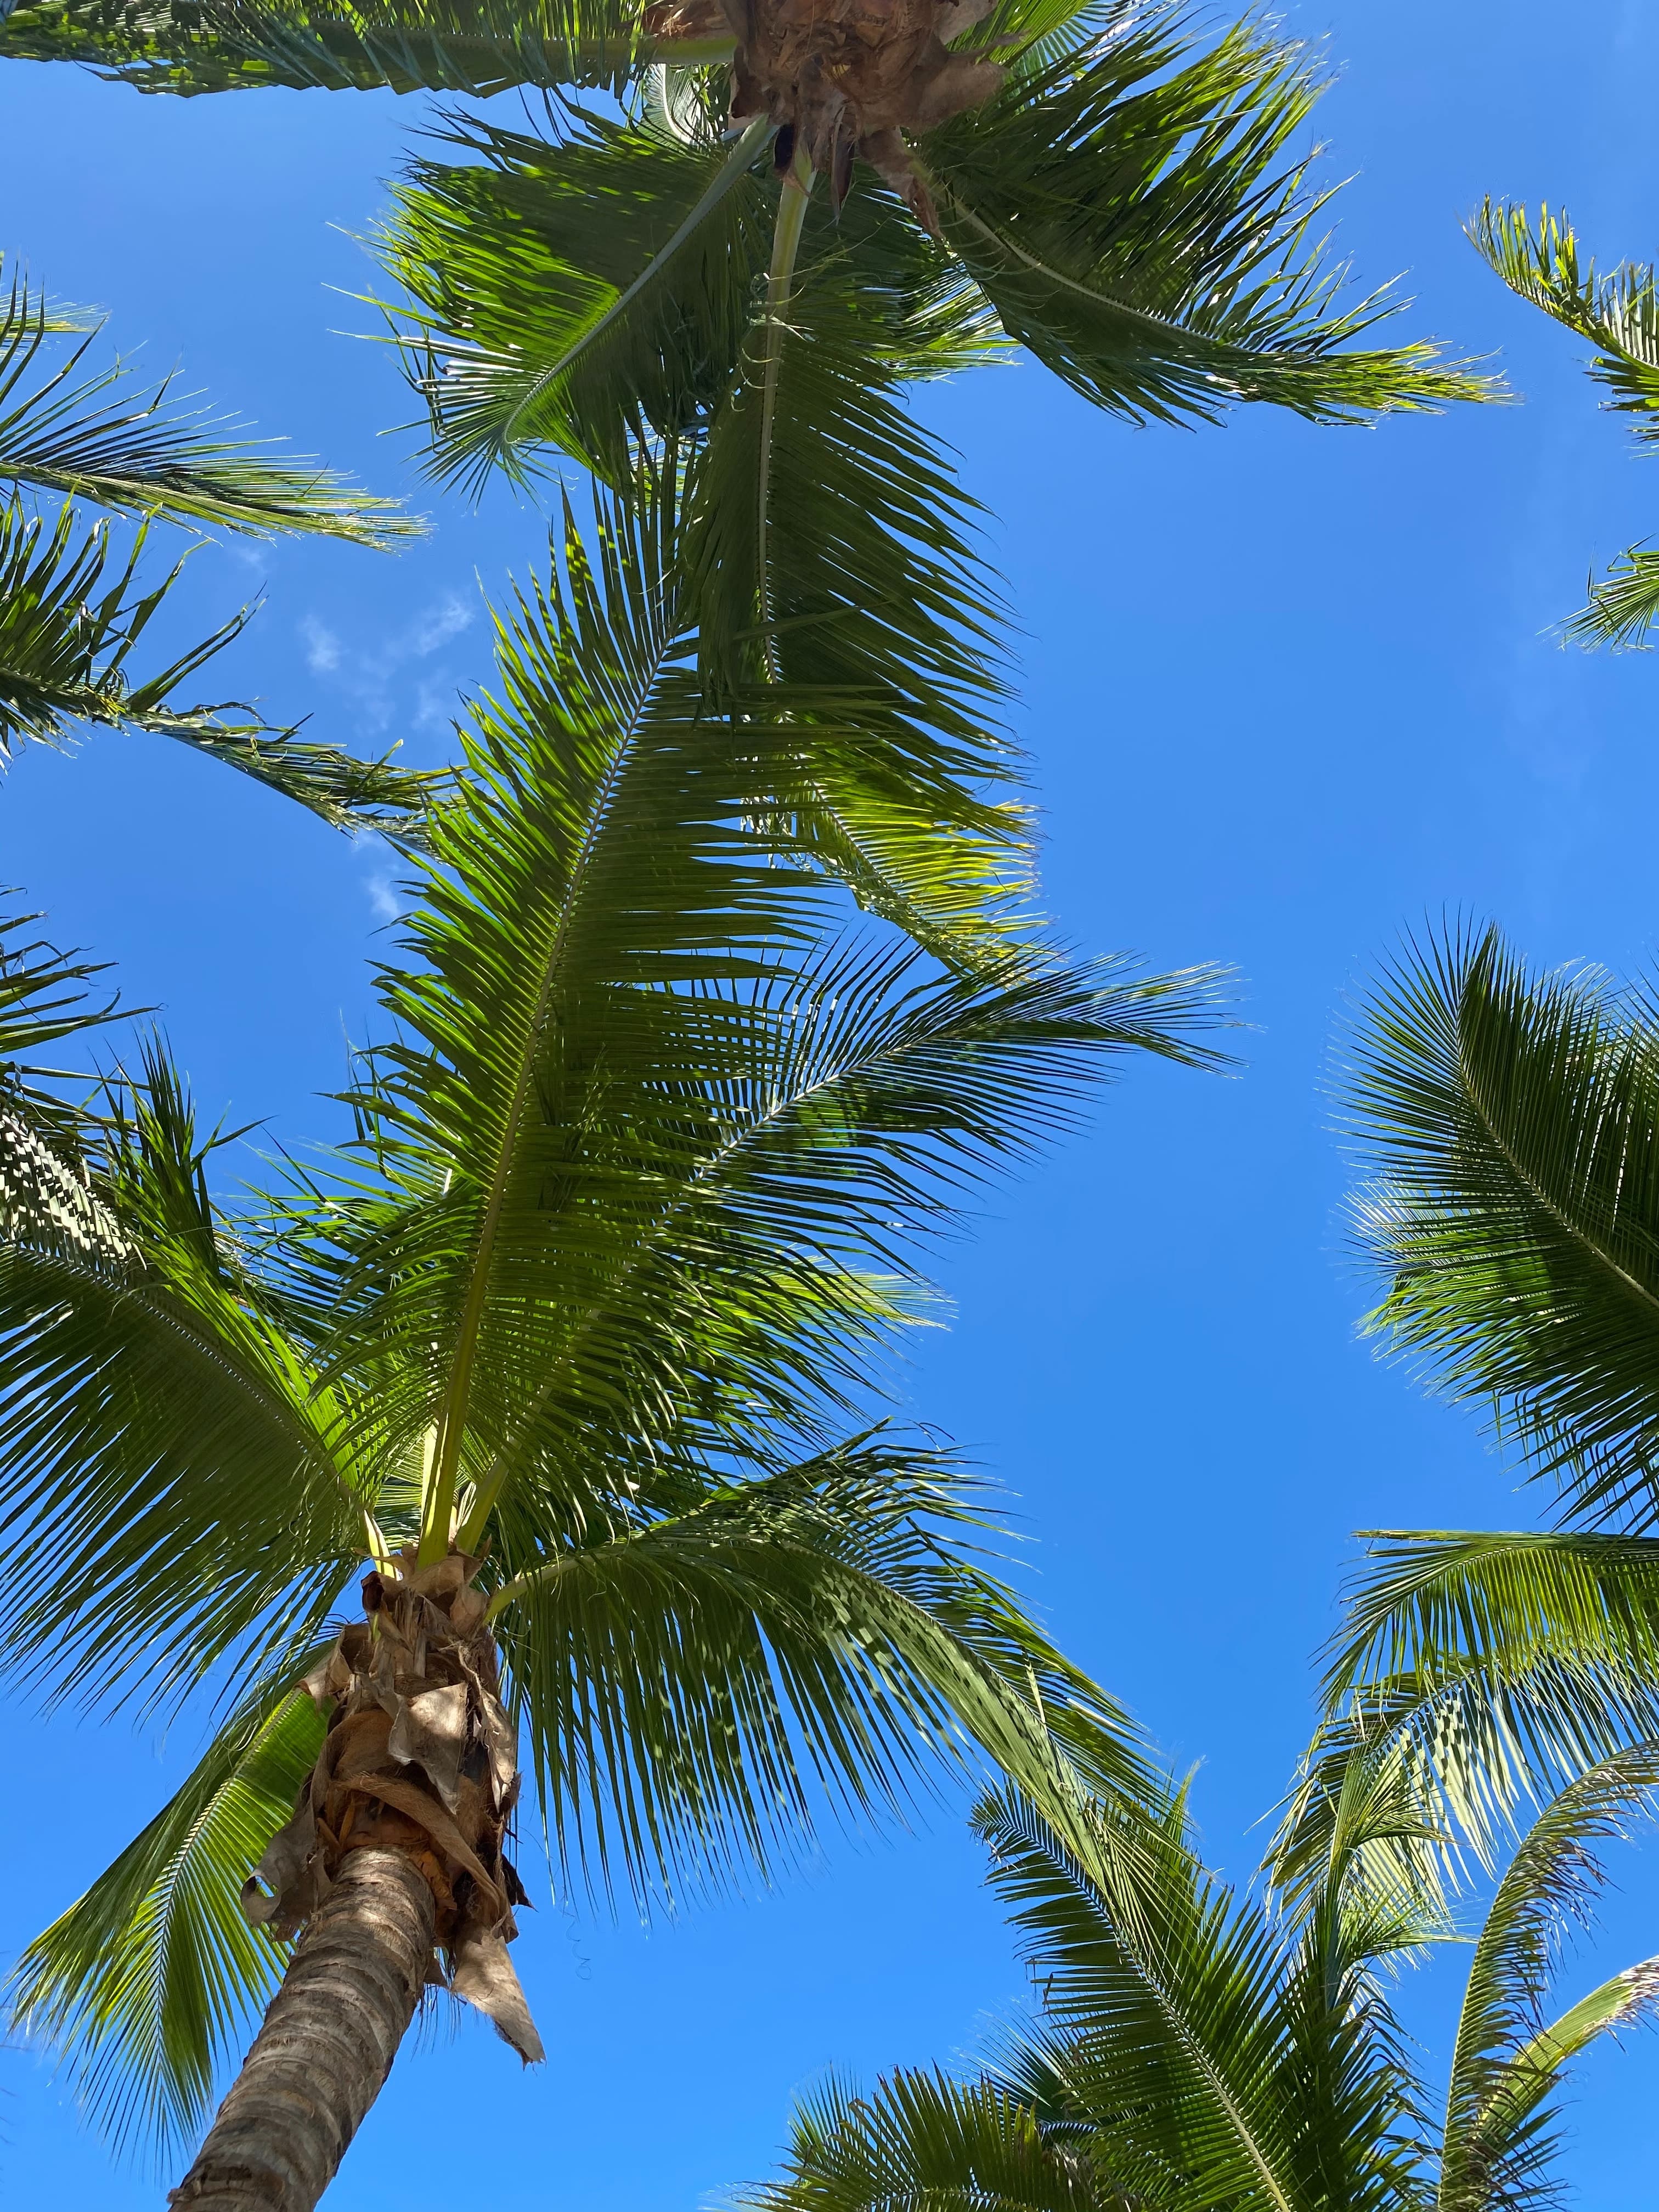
392	1869
327	2047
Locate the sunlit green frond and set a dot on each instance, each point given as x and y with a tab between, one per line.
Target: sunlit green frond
647	1135
61	432
1365	1853
1508	1127
1618	310
477	46
921	2139
1163	2003
149	1979
1533	1656
1622	604
170	1482
1497	2146
1135	214
576	292
72	611
701	1689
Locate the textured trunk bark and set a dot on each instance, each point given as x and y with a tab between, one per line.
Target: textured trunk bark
327	2047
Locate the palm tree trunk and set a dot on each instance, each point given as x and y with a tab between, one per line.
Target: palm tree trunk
327	2047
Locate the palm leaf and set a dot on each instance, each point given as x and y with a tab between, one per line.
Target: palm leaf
144	456
1163	1992
607	944
1618	310
472	46
702	1687
150	1976
170	1480
1132	213
1512	1125
1507	2059
920	2138
575	294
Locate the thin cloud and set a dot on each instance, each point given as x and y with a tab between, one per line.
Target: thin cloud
322	647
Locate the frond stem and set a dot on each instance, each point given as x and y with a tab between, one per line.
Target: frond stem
779	277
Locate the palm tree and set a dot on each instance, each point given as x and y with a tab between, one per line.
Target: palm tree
1102	185
72	608
1618	312
564	1371
1191	2048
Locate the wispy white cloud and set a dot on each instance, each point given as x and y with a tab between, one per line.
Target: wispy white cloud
322	647
381	885
370	679
433	630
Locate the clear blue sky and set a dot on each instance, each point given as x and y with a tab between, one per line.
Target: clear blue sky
1286	690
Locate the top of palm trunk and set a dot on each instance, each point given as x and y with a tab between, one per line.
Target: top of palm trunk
842	77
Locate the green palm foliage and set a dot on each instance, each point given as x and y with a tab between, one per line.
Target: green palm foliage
600	1287
1126	208
1508	1126
72	609
1129	207
1191	2048
1617	310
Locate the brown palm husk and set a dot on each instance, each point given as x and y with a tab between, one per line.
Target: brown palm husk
842	78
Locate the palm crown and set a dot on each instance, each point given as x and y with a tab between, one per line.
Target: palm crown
1119	197
589	1306
1192	2048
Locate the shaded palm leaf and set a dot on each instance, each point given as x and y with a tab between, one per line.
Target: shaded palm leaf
477	46
577	295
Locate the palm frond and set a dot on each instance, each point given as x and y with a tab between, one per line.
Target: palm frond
1132	214
1531	1656
578	293
148	1980
72	612
701	1687
1507	2058
171	1477
1618	310
1622	604
472	46
639	1123
1508	1127
919	2138
1164	1997
60	432
567	291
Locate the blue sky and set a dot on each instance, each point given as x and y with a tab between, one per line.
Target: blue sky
1286	691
